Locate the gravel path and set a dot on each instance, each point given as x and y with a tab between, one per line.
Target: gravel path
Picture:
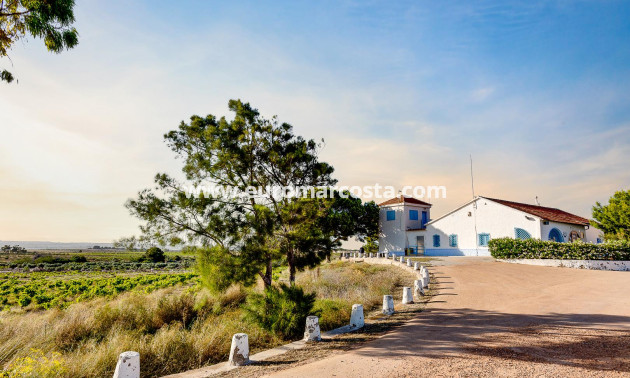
496	319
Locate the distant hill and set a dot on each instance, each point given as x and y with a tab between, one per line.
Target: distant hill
53	245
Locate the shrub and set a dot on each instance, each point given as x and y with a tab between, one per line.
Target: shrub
508	248
79	259
154	254
282	310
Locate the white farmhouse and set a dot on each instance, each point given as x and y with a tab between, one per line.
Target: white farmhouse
405	224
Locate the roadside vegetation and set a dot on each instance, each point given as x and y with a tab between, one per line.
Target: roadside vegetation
508	248
176	328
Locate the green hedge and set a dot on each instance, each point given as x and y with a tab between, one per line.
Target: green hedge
508	248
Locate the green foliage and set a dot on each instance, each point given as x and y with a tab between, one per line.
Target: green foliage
43	291
220	269
50	20
614	218
508	248
154	254
371	244
282	310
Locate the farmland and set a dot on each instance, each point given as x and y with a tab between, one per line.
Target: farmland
74	323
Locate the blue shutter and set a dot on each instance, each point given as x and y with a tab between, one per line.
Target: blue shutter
436	240
391	215
413	214
424	219
483	239
452	240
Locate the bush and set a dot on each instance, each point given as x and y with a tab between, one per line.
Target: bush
508	248
154	254
282	310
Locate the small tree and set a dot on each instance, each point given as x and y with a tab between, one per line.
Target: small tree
614	218
154	254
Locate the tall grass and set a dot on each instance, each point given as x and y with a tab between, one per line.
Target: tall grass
339	285
173	329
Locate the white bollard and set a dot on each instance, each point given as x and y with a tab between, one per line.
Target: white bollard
416	266
407	295
311	331
239	352
426	279
418	287
388	304
128	365
409	262
402	259
356	318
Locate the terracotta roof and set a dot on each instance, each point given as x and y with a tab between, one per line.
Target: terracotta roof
400	199
546	213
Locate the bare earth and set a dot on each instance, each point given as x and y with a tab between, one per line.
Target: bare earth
496	319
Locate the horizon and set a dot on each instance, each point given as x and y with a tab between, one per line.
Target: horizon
402	93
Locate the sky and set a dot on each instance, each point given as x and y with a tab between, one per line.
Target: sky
401	92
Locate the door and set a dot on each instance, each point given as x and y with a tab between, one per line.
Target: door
420	245
425	219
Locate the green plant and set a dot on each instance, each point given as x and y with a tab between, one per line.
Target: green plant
154	254
508	248
281	310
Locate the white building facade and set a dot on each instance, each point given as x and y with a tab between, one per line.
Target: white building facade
466	230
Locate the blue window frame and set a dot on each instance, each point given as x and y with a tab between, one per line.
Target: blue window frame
483	239
425	219
519	233
413	214
452	240
599	240
391	215
436	240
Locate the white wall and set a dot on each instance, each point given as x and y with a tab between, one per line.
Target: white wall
392	234
492	218
564	228
593	233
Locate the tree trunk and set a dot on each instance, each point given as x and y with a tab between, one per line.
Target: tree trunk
291	268
267	277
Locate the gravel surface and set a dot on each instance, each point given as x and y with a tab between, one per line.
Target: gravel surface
491	319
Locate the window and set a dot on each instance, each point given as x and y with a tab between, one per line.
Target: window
413	214
391	215
519	233
556	235
483	239
599	240
425	218
452	240
436	240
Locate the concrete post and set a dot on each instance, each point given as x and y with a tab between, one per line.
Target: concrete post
356	318
416	266
402	259
418	287
426	278
388	304
128	365
407	295
239	352
311	331
409	262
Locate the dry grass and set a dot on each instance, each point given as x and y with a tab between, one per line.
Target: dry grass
341	284
175	329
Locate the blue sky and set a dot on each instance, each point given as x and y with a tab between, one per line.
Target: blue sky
402	93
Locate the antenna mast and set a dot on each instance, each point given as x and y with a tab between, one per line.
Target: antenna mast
472	180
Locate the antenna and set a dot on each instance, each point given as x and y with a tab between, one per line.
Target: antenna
537	203
474	205
472	180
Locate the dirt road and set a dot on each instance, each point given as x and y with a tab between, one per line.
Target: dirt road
496	319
